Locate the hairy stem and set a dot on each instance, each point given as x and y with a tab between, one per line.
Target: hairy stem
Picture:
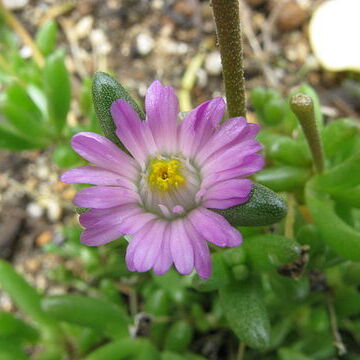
228	30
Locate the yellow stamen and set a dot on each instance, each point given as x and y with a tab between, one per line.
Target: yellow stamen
165	174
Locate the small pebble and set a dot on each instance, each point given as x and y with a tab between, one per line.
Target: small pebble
144	44
213	63
34	210
53	210
44	238
84	26
291	16
15	4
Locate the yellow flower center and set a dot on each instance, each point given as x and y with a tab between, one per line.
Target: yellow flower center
165	174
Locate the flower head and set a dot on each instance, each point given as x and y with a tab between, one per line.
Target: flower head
161	192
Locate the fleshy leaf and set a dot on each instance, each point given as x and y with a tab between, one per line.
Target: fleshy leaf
246	313
264	207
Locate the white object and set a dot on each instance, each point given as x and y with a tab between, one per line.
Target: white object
334	34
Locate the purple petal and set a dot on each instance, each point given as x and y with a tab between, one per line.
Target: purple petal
164	260
162	108
103	153
199	124
231	157
229	131
228	193
181	249
133	133
100	235
103	197
95	176
134	223
148	248
214	228
250	165
134	242
117	214
201	252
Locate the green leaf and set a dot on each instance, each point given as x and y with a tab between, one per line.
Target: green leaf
123	349
267	251
57	89
349	196
65	157
339	236
179	336
290	151
337	134
10	351
24	295
25	123
274	111
289	354
105	91
283	178
89	312
46	37
246	313
14	328
19	96
220	275
11	141
263	208
345	175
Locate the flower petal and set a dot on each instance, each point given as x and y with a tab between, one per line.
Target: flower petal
100	235
148	248
214	228
228	193
112	215
95	176
199	124
181	248
103	197
164	260
103	153
201	252
133	133
162	108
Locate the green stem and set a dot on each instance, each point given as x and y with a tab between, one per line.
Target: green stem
227	20
303	107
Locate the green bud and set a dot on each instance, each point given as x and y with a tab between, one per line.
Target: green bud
264	207
105	91
274	111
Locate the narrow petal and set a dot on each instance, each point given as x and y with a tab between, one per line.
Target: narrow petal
229	131
231	157
148	249
199	124
227	193
102	152
100	235
95	176
134	242
112	215
164	260
214	228
162	109
103	197
202	255
133	133
181	248
134	223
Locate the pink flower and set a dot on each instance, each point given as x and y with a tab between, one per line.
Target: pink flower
160	194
